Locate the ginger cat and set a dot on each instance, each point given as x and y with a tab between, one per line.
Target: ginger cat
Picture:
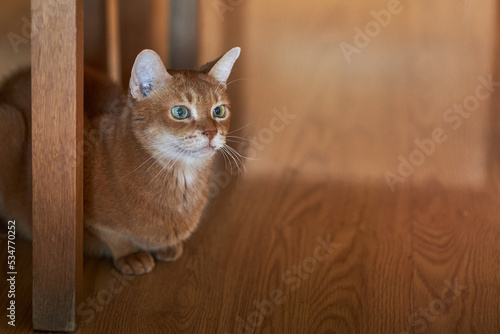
147	160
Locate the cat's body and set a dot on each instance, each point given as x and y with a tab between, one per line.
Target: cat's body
148	157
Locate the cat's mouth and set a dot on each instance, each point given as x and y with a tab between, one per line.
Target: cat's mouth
179	150
205	151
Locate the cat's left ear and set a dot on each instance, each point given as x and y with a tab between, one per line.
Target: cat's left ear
223	66
148	74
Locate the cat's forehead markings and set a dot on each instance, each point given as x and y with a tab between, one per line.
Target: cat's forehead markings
182	97
186	97
215	96
189	97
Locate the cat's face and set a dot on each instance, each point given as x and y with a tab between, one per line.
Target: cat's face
181	115
189	117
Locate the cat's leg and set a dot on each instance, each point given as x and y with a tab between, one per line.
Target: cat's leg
137	263
170	253
126	256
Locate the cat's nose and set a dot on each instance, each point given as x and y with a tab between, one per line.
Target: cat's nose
210	134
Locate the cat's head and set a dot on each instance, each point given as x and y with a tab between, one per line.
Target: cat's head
181	114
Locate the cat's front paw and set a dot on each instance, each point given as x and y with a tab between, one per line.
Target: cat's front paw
136	263
170	253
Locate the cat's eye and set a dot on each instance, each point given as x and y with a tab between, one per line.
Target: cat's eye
220	112
180	112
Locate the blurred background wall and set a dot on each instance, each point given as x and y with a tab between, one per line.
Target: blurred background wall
361	81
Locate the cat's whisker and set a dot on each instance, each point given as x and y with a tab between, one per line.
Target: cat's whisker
155	162
235	80
224	157
241	156
161	169
228	152
159	149
239	128
224	150
151	157
174	160
162	147
224	154
235	158
232	170
218	86
227	84
237	142
160	152
245	139
166	166
233	141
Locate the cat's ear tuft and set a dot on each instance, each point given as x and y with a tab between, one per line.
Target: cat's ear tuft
222	68
148	73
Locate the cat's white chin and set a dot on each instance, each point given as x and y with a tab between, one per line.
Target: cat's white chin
192	155
204	152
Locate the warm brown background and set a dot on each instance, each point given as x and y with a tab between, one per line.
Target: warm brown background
323	175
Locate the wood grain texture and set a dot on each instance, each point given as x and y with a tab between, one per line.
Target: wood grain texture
113	40
57	123
322	174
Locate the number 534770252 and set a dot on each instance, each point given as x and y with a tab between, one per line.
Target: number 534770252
11	242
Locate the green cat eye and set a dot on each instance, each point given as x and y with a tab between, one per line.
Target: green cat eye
220	112
180	112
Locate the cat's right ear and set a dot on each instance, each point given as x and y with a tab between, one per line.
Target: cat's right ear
148	74
221	68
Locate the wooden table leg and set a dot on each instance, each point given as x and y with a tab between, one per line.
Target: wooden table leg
57	129
113	41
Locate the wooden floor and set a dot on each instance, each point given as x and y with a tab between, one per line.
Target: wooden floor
314	239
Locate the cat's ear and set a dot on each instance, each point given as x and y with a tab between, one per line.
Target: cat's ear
221	68
148	74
